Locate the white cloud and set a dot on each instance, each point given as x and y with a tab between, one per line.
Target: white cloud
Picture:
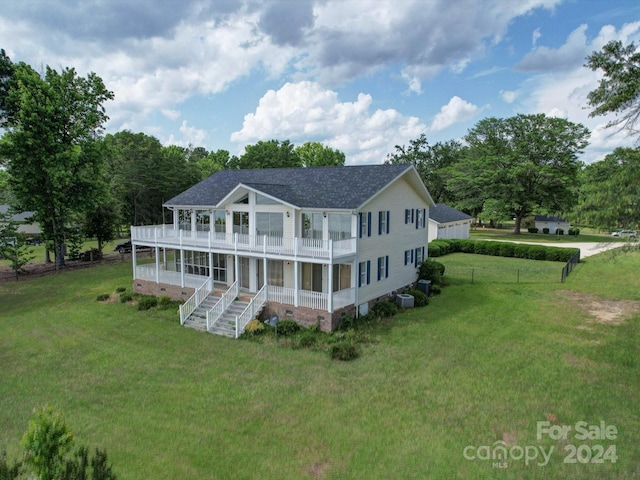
190	136
564	93
304	111
568	56
535	37
508	96
171	114
457	110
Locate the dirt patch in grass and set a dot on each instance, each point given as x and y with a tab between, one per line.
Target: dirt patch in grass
317	469
608	312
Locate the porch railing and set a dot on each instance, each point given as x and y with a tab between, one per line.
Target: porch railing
188	307
240	242
252	309
221	305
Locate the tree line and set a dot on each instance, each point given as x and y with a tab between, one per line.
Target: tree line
56	161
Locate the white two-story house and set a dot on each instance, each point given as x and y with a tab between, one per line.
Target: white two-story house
311	244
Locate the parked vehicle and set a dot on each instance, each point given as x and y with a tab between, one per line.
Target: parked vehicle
124	247
625	234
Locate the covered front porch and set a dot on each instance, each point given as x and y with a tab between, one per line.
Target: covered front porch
285	295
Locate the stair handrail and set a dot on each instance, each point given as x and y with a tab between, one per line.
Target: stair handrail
194	301
248	313
215	312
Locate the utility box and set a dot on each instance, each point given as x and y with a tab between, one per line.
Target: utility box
424	286
404	300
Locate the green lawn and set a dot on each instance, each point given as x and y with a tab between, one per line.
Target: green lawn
482	363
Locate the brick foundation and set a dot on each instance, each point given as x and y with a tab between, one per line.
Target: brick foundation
306	317
174	292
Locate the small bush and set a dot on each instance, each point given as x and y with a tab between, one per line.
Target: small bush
343	350
431	270
147	302
347	323
166	303
507	249
126	297
560	231
255	327
480	247
545	230
493	248
436	289
384	309
121	289
420	299
102	297
434	250
532	230
308	338
467	246
537	252
287	327
574	231
520	250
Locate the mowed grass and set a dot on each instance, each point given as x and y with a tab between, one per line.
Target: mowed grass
482	363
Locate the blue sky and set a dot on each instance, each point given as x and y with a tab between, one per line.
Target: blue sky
360	76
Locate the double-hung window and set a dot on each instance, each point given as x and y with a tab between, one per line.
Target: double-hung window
383	222
364	224
383	267
364	271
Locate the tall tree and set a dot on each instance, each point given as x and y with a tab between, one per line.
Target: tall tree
52	145
618	91
315	154
610	192
269	154
526	162
144	174
212	163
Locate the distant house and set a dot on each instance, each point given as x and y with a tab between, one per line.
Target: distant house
447	222
311	244
552	223
26	226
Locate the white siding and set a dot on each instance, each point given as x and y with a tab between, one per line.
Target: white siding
395	199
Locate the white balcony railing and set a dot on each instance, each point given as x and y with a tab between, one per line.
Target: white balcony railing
167	236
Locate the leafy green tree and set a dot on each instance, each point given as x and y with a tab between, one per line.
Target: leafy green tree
52	145
610	193
270	154
144	174
102	222
46	442
213	162
315	154
618	91
525	163
13	245
5	193
6	82
430	162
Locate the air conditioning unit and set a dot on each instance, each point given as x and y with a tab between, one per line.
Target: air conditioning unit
404	301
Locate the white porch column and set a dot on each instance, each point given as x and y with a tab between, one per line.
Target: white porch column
330	288
157	251
133	259
194	222
236	266
176	221
264	273
181	268
211	271
296	280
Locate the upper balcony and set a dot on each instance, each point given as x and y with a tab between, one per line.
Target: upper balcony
165	236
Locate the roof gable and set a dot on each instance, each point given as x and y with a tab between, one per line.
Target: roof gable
442	213
318	187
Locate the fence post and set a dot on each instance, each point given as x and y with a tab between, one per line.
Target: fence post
472	274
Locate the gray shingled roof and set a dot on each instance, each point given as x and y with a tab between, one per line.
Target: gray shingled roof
318	187
17	217
545	218
442	213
